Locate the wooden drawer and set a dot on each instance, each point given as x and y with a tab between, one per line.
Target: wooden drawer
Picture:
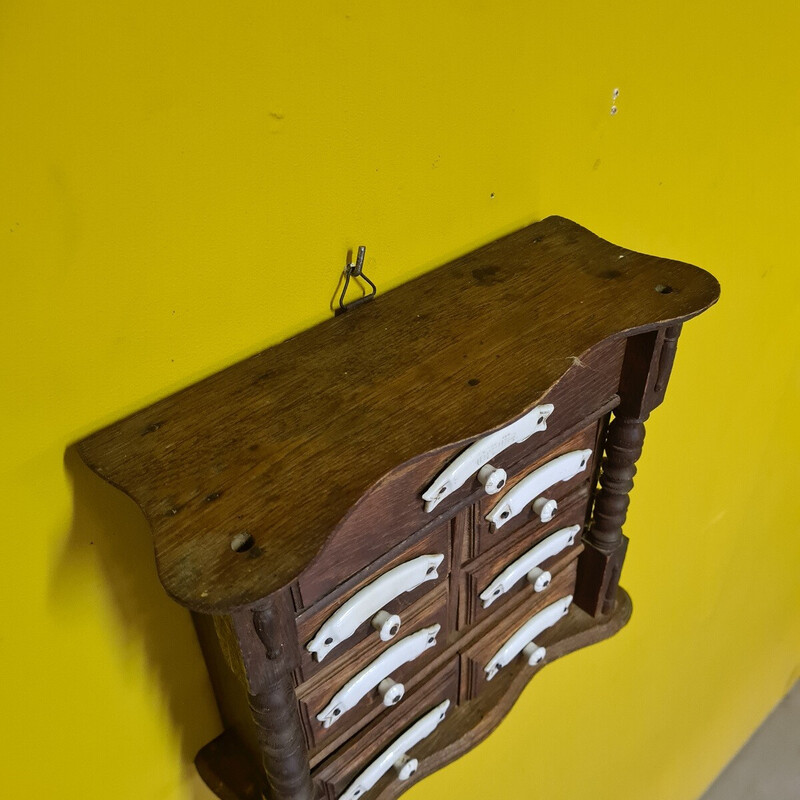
482	574
486	535
334	776
476	657
413	643
310	623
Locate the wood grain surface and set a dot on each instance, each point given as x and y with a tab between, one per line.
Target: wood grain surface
275	451
224	764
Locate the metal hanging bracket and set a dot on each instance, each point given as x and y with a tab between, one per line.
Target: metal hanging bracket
355	271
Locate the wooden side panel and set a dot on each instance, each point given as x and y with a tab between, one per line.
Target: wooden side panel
229	687
274	710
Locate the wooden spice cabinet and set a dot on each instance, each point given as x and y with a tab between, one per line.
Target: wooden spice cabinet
285	498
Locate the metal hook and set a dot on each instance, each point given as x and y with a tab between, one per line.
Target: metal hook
356	271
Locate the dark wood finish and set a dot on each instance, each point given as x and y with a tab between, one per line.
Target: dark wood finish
646	369
476	657
315	694
601	561
582	395
335	775
285	483
286	443
224	764
638	376
309	622
666	359
274	709
624	444
480	718
225	767
231	689
462	536
478	574
585	393
488	537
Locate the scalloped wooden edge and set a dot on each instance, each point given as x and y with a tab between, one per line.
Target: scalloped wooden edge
605	292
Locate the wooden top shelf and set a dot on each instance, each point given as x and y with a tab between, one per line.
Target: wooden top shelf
281	445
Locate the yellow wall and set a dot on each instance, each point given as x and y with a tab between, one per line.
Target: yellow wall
180	184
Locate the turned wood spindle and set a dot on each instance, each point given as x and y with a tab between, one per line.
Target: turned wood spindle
666	358
605	545
274	711
623	448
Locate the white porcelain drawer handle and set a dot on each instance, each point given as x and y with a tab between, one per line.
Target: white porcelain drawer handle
529	489
528	565
397	754
370	601
522	640
376	674
480	453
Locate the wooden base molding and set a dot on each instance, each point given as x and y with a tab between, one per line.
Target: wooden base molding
229	773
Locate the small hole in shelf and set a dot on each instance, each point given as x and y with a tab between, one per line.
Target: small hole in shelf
664	289
242	542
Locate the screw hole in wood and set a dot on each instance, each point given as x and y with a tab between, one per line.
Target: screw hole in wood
242	542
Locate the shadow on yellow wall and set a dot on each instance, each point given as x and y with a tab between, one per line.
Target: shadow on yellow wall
110	523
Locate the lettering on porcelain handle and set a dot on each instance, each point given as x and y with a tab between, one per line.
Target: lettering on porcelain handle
367	603
376	675
522	640
528	565
529	489
396	755
480	453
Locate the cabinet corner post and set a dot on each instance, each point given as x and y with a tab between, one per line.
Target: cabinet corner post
274	708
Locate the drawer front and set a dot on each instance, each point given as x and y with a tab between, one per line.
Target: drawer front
578	483
484	652
357	613
341	772
494	579
352	691
580	395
